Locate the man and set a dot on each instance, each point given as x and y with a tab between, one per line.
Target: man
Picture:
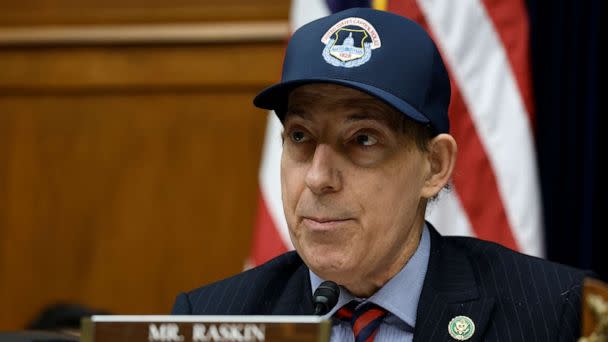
364	100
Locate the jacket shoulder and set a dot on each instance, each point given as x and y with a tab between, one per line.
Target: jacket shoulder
254	291
542	299
494	262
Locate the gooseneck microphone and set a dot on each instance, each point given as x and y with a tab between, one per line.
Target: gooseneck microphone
325	297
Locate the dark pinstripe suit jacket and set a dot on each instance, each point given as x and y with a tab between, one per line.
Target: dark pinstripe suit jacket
509	296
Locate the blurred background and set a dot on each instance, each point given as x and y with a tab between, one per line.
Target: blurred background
130	149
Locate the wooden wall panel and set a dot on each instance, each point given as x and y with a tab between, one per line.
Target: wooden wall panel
250	65
121	201
128	172
70	12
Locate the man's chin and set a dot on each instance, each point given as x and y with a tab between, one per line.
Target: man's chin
334	269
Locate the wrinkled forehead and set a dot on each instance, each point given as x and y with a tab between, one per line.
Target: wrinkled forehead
310	99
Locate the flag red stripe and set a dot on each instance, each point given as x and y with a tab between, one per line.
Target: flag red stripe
473	168
473	172
267	242
510	20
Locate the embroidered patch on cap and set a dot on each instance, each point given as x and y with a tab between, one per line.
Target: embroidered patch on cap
349	43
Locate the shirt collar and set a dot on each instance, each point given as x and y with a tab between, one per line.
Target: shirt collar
400	295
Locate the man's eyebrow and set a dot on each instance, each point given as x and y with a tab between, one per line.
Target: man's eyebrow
364	116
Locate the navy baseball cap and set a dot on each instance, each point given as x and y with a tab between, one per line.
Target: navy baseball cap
383	54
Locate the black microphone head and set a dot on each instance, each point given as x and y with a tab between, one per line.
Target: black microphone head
325	297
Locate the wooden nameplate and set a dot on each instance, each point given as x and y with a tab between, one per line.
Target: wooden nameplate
112	328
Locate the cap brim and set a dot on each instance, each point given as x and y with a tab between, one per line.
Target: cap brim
275	96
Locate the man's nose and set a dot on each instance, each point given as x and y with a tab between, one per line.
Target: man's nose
323	175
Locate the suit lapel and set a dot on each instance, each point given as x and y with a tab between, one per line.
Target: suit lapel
449	290
296	299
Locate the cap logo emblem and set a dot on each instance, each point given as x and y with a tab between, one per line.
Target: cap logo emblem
349	43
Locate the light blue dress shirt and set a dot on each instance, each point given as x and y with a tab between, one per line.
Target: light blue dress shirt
399	296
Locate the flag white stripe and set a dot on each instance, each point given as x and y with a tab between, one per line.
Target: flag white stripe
447	215
270	177
305	11
472	47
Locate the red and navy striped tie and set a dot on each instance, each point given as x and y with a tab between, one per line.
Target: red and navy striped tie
364	319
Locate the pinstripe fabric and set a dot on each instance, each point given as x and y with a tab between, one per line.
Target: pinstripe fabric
509	296
278	287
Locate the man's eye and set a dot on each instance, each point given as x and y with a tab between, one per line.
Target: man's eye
366	140
297	136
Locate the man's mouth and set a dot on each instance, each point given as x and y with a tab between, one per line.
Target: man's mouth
324	223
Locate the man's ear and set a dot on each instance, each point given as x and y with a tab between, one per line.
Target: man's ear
441	155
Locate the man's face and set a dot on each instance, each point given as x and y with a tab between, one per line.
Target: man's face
351	185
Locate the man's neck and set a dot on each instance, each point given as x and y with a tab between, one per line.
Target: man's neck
369	284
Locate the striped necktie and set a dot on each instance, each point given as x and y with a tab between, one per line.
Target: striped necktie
364	319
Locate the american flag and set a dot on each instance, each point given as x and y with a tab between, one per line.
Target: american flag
495	191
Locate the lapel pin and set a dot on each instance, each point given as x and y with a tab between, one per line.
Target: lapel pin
461	328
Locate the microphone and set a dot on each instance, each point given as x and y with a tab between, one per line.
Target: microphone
325	297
